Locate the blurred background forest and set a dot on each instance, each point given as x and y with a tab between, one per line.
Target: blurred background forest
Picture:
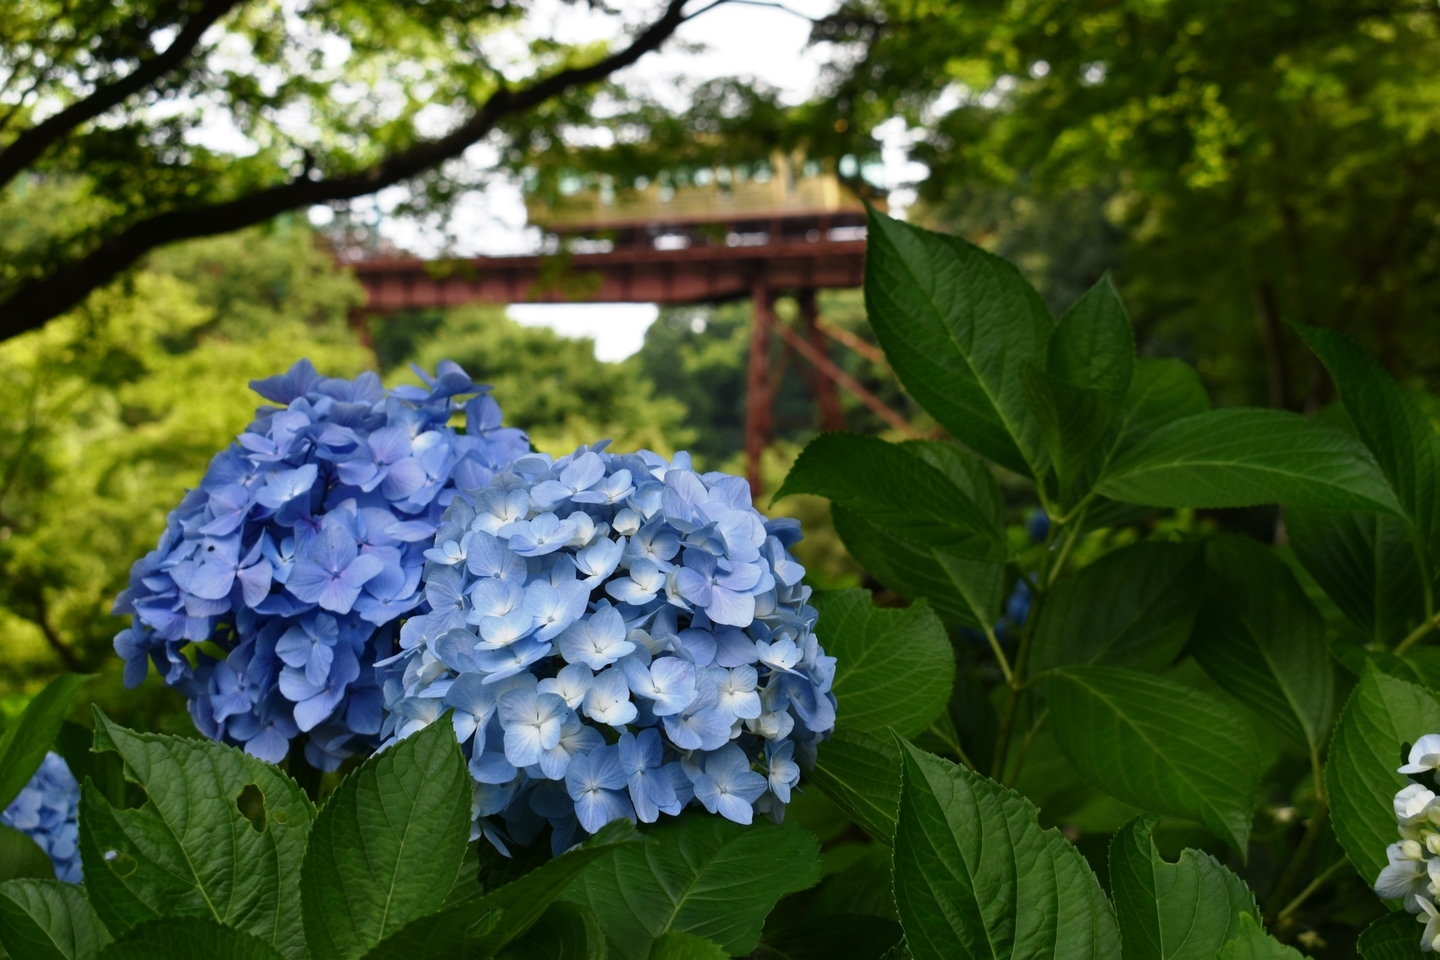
1235	166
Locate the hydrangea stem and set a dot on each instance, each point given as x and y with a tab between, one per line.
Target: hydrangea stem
999	652
1416	635
1071	537
953	743
1313	832
1305	894
1025	747
1015	678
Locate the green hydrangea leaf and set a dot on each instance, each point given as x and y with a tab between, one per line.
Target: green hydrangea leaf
861	774
1392	937
894	668
1382	714
1158	745
187	938
698	874
49	920
1242	457
25	742
976	878
1133	607
388	844
956	323
190	850
1253	943
1185	910
21	857
1260	638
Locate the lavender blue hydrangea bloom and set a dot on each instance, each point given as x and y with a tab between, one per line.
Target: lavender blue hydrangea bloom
617	636
45	811
285	574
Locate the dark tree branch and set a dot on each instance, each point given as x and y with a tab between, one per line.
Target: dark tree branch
750	3
52	636
28	147
39	300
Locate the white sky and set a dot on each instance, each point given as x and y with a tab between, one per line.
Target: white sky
740	40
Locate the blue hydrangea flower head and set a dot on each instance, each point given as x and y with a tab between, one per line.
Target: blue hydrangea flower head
617	636
279	579
1037	525
46	812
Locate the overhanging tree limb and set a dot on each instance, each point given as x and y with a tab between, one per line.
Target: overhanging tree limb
28	147
36	301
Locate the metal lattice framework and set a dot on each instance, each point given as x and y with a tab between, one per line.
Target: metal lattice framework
699	259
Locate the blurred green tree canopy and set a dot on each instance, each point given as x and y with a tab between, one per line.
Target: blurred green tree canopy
1237	165
177	119
1240	165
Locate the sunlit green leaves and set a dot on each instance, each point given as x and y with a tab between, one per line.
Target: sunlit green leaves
976	877
387	846
1159	745
25	742
1382	714
190	850
1241	457
697	874
1261	638
1185	910
894	668
49	920
1133	607
957	323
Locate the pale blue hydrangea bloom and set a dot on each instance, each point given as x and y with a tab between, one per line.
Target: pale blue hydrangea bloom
617	636
45	811
303	547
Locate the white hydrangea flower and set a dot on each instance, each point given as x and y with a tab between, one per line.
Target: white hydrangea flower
1431	918
1413	804
1425	755
1412	872
1404	878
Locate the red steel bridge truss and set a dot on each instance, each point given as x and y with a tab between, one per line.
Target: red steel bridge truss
672	264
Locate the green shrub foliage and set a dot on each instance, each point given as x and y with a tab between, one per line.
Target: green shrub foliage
1076	720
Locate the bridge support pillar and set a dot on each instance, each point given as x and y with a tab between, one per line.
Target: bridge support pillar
826	400
758	417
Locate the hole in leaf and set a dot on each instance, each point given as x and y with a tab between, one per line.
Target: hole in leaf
122	864
280	818
251	803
